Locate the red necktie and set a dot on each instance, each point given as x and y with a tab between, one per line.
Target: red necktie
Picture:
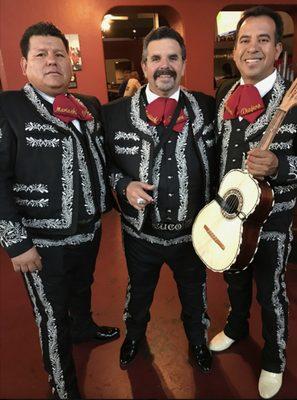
161	110
67	108
246	102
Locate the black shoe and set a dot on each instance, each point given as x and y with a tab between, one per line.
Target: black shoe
100	334
129	351
201	356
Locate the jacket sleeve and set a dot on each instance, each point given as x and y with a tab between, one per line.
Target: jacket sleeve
13	235
287	161
117	179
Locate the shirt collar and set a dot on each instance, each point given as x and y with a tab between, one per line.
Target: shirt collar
152	96
265	85
46	97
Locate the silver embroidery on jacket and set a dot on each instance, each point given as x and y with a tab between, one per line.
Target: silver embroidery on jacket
198	121
114	179
67	193
182	172
35	126
203	153
127	150
69	240
292	160
285	188
100	147
1	134
85	179
42	142
32	203
35	187
138	122
286	205
52	334
281	145
11	233
100	173
126	136
290	128
156	179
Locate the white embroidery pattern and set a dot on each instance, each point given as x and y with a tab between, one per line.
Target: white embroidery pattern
126	150
114	178
138	122
34	126
32	203
290	128
85	179
128	298
11	233
126	136
35	187
52	337
292	160
203	153
198	121
287	205
69	240
156	240
285	189
1	134
182	172
42	142
38	317
279	284
156	179
282	145
99	168
67	193
99	141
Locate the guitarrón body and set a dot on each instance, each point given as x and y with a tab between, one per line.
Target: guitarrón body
220	231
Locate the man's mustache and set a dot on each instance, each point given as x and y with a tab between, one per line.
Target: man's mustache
164	71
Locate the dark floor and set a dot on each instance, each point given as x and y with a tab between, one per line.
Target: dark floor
162	370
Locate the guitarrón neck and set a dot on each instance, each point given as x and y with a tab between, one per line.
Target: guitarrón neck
272	129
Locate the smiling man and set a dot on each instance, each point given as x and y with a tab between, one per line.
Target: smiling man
52	194
160	145
245	109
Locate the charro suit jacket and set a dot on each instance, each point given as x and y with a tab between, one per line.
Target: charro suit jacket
131	141
46	166
284	146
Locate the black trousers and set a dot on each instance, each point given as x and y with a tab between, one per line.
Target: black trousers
61	297
144	261
268	270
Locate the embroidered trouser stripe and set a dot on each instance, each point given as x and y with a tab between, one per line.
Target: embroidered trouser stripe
51	336
268	269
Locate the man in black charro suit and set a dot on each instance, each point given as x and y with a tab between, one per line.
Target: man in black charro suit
258	46
160	146
52	193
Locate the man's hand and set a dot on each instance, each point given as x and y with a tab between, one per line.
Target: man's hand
261	163
136	191
29	261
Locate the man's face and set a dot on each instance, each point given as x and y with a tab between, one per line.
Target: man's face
256	51
164	66
48	66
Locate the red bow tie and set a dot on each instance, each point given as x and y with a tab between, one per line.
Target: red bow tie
67	108
246	102
161	110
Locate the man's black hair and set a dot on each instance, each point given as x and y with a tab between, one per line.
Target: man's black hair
260	11
41	29
164	32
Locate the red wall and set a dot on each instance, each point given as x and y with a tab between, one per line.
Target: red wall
84	17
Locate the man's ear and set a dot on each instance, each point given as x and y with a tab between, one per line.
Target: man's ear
144	69
23	63
279	49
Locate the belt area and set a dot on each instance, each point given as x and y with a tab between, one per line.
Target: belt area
171	227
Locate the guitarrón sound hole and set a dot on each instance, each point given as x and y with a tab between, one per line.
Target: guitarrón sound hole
232	203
